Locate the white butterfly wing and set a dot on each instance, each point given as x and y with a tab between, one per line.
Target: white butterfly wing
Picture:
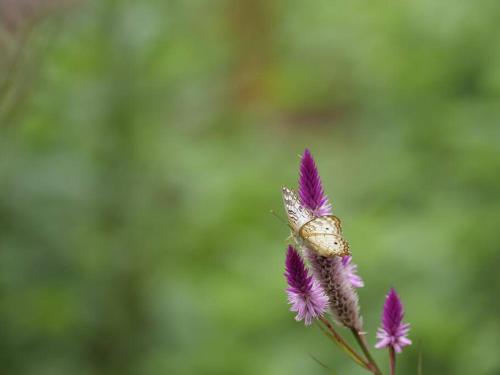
297	214
324	235
328	245
325	224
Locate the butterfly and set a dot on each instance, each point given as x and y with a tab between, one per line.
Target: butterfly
322	234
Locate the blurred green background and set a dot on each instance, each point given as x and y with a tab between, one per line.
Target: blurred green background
142	145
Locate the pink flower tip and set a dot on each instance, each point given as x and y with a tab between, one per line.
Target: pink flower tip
352	272
310	188
305	294
393	332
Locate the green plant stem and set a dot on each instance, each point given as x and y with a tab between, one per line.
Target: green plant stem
339	340
392	360
419	368
364	347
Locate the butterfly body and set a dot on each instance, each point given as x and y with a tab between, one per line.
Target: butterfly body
322	234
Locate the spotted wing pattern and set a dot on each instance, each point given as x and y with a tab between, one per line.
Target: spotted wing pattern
324	224
324	235
297	214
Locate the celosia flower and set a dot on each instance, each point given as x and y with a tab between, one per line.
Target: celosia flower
393	333
334	275
310	187
337	286
304	293
352	272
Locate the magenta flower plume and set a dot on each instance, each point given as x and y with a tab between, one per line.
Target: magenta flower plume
352	272
393	333
304	293
310	188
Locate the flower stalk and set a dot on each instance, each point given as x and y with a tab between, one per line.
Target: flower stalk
339	340
360	339
392	361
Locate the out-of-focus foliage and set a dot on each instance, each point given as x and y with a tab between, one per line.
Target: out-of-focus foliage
143	143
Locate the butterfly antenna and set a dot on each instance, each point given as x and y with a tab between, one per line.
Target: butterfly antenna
279	218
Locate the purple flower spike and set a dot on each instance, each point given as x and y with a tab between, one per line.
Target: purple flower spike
352	272
393	332
304	293
310	187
